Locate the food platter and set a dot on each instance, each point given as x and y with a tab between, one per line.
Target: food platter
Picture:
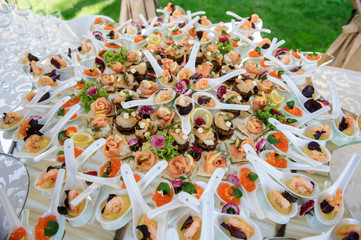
182	106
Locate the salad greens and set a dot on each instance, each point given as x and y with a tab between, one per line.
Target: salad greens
115	55
168	152
88	100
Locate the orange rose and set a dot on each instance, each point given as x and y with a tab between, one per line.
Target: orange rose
101	106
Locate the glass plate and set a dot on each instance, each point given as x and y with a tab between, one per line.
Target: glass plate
14	178
352	196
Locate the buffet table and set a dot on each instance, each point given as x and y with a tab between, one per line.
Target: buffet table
347	82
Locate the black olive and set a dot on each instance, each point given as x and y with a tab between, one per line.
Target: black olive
312	105
265	46
146	116
326	207
111	34
144	230
199	35
231	67
62	210
204	100
314	146
308	91
187	223
255	90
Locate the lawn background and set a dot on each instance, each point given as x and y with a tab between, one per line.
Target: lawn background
310	25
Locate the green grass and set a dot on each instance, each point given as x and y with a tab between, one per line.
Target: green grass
304	24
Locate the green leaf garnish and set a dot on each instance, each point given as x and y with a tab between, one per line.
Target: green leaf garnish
189	188
164	187
291	104
272	139
291	120
51	228
73	96
237	192
61	112
258	50
280	157
61	152
280	72
252	176
62	135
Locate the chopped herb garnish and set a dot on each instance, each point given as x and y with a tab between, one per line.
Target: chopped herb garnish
272	139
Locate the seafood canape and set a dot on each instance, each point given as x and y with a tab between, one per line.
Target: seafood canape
266	85
347	125
108	81
348	231
68	208
28	127
35	143
147	88
232	57
19	234
205	69
315	151
58	62
236	150
126	120
181	140
101	106
163	116
124	95
139	71
247	179
224	125
163	95
91	73
245	88
10	119
145	128
180	168
85	47
115	207
47	179
183	105
300	185
232	97
201	84
110	168
210	162
116	146
252	127
259	103
281	201
228	193
205	101
48	79
145	160
292	109
124	80
213	55
167	78
163	194
331	205
170	65
190	228
35	70
277	160
99	126
319	133
279	141
40	232
237	228
205	137
176	53
147	228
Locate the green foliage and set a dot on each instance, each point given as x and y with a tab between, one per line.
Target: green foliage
168	152
88	100
115	56
266	114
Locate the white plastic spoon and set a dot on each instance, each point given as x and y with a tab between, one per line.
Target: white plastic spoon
296	166
246	39
331	233
252	196
218	104
296	155
142	185
214	82
13	221
63	87
185	119
148	101
191	64
45	120
53	207
282	177
340	137
51	134
39	94
135	197
301	132
340	183
172	234
71	183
